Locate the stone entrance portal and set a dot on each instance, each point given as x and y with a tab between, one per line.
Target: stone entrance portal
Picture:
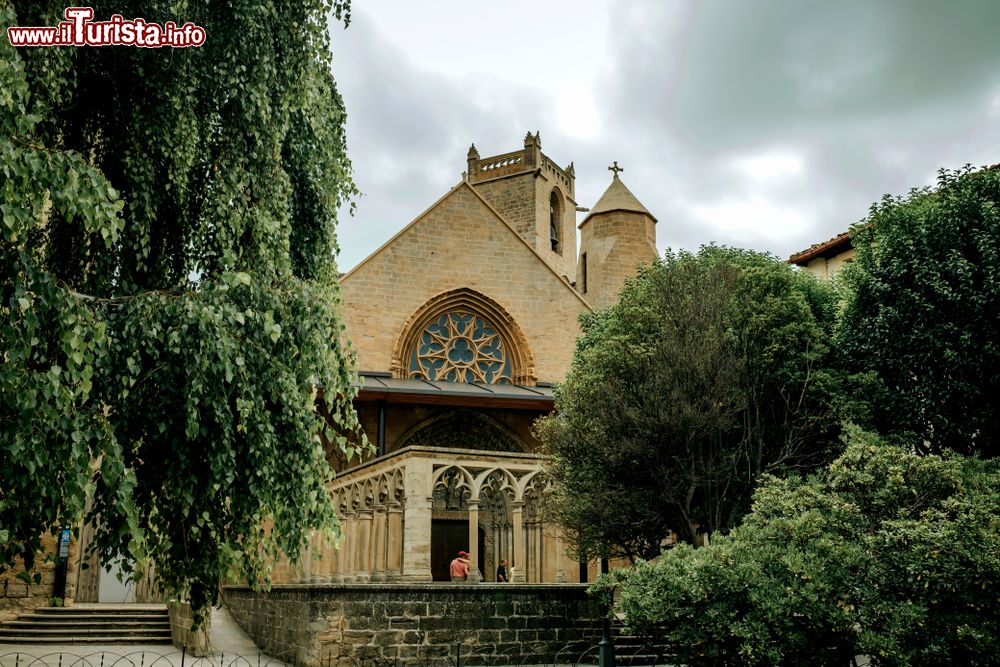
407	514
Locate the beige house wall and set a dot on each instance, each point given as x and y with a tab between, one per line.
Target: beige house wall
827	268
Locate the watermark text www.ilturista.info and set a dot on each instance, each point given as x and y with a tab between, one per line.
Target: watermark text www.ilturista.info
80	30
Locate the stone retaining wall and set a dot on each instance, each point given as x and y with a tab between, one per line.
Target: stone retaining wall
182	636
418	624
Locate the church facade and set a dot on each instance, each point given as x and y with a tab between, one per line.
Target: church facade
462	323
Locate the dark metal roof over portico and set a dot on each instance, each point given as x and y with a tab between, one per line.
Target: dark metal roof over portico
383	387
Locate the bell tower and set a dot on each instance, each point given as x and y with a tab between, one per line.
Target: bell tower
616	237
533	194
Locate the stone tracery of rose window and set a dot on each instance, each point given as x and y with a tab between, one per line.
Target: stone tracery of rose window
460	346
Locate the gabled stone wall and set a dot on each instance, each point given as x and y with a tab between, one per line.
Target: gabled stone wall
425	624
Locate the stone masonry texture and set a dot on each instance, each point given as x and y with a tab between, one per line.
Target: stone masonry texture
427	624
460	242
17	597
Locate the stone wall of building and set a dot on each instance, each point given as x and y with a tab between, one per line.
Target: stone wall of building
514	198
17	597
460	243
523	200
614	244
426	624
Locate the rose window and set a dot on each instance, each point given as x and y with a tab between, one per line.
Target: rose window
460	347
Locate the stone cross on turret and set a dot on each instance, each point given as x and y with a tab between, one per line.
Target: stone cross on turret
615	168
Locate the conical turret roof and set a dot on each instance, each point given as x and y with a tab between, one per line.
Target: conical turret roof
617	198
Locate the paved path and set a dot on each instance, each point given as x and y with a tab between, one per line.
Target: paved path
231	648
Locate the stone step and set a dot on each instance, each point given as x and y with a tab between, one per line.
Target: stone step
81	632
89	624
636	650
23	622
128	609
110	618
96	639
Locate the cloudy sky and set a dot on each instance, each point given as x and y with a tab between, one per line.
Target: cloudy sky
770	124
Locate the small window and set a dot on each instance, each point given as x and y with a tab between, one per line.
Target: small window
555	213
583	272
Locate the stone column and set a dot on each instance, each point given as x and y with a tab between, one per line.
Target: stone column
529	553
539	553
338	556
349	547
530	548
363	572
520	557
394	541
559	557
313	560
305	563
326	565
417	521
378	544
473	577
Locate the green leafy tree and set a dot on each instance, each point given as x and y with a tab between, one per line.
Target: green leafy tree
886	554
924	311
711	370
169	325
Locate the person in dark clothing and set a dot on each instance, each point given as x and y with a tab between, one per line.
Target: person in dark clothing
502	574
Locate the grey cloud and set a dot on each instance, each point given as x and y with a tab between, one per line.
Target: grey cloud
871	97
728	72
408	130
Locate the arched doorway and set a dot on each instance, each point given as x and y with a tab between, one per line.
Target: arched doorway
449	520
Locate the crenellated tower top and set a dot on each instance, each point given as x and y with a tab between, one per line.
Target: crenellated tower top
535	195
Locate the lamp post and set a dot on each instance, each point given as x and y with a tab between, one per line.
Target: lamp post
606	649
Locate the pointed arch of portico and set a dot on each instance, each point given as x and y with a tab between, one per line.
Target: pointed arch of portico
466	300
525	482
463	429
465	479
508	483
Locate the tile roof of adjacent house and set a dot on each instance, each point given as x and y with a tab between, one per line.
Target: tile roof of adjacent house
834	246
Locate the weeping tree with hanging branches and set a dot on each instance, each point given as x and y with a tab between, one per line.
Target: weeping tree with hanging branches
170	335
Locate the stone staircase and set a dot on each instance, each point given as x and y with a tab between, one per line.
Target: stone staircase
90	624
638	651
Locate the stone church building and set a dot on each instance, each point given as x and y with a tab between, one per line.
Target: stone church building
462	322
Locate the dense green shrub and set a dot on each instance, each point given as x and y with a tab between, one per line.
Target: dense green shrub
711	369
924	312
886	554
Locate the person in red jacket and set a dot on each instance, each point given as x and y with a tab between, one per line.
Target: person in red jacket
460	567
